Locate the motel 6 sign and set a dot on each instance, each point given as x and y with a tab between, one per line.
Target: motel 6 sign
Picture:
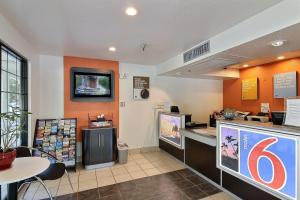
269	160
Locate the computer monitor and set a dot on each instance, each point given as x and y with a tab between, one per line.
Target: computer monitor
174	109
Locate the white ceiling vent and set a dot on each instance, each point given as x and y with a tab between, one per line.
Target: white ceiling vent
196	52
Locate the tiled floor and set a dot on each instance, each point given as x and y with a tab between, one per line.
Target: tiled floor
144	174
182	185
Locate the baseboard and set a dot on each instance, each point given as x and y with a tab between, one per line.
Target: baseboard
144	150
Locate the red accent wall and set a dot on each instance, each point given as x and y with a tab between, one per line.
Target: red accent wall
232	89
80	110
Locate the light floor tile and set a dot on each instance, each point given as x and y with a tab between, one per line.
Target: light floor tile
42	194
30	192
136	156
106	169
85	177
66	189
128	164
152	172
219	196
165	169
104	181
116	166
133	168
142	161
73	179
147	166
107	173
73	173
53	183
122	178
86	185
138	174
158	164
119	171
85	171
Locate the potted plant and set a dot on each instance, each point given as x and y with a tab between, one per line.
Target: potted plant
10	133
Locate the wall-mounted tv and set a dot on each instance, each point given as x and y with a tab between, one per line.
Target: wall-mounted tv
89	84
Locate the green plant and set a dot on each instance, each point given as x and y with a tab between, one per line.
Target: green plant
12	124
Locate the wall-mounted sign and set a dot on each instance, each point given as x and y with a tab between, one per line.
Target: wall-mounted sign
267	159
285	85
141	87
249	89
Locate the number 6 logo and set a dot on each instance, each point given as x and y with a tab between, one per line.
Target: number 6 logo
278	174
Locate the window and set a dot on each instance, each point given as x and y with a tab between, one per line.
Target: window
14	87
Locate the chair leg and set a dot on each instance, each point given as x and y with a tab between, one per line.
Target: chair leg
43	184
21	186
28	186
69	180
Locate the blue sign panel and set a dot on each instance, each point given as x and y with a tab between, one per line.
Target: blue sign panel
270	161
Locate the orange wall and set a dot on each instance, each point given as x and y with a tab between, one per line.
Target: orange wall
232	88
80	110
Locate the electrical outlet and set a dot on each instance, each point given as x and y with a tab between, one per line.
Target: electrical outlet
122	104
124	75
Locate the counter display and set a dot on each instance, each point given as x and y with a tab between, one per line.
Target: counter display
262	157
169	126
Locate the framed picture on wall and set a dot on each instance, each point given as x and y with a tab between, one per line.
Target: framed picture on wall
250	89
141	86
285	85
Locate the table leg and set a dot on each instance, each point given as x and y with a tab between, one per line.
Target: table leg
12	191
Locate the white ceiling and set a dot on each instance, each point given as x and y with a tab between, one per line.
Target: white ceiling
87	28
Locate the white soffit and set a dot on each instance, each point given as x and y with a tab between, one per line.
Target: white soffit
283	15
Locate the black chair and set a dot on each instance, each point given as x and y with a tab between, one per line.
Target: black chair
55	170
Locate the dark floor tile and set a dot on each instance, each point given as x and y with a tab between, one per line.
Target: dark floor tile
173	176
116	196
175	195
89	195
186	173
209	188
108	190
127	186
196	180
183	184
67	197
180	185
143	180
194	193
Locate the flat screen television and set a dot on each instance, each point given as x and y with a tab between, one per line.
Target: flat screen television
89	84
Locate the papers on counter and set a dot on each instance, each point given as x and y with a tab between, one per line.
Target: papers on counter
292	116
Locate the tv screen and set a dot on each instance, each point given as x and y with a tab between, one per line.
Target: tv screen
92	84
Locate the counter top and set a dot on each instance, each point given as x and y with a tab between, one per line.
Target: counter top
204	135
95	128
264	126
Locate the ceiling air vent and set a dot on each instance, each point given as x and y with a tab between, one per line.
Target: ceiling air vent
196	52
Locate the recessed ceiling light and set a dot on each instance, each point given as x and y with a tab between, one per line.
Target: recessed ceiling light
245	65
131	11
277	43
280	57
112	49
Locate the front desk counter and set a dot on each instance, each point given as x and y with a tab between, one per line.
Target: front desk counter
200	154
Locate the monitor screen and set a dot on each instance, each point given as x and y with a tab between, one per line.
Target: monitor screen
92	85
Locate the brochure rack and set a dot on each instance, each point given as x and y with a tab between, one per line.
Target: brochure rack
58	138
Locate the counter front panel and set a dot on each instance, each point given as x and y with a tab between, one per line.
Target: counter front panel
262	158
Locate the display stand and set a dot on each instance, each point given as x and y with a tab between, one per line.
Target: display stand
58	138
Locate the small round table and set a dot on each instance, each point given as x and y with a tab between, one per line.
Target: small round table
21	169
